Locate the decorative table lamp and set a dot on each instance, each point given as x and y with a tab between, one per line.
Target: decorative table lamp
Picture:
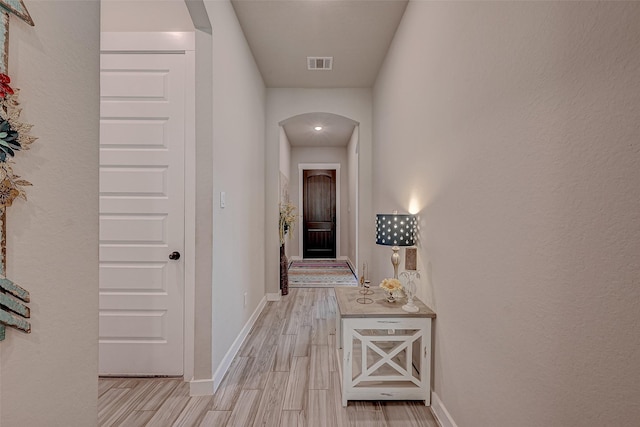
396	230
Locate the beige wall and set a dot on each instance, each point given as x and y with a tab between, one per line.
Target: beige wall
285	154
285	166
204	207
514	129
352	199
239	171
49	377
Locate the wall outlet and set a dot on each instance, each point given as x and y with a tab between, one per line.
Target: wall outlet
245	299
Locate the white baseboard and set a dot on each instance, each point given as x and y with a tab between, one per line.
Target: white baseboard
233	350
440	413
353	267
201	387
274	296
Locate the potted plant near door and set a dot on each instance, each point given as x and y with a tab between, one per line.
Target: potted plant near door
287	221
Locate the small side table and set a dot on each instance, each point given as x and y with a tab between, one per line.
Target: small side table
384	352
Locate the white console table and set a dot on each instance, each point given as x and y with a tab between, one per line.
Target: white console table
384	352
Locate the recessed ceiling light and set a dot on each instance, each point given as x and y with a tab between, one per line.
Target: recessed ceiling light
318	128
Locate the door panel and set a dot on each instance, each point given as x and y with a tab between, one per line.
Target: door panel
319	228
141	213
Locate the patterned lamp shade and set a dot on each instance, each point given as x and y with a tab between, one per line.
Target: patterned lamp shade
396	229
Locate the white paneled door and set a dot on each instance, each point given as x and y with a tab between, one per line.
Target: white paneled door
142	127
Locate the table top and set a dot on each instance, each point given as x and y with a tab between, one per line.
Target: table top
348	306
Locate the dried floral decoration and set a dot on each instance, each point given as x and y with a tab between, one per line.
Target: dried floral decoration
287	219
14	136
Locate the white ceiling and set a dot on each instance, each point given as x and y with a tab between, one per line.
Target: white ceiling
282	33
336	130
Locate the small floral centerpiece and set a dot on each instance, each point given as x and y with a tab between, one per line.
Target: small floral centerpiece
391	286
287	219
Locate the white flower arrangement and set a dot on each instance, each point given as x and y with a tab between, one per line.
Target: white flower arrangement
391	285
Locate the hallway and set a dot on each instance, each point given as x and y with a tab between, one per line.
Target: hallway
284	375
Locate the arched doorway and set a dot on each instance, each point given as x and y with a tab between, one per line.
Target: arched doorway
318	173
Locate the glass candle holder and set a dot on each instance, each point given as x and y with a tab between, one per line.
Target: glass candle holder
410	290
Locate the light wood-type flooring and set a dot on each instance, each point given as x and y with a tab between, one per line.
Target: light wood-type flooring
285	374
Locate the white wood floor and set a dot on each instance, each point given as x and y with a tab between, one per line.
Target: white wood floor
285	374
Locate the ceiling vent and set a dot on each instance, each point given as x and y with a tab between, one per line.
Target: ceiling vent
317	63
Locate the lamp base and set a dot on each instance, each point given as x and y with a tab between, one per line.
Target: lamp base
410	307
395	260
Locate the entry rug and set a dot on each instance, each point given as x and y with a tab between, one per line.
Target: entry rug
320	274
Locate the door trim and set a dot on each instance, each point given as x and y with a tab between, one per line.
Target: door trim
316	166
177	42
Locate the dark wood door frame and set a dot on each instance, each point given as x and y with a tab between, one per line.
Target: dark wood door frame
317	166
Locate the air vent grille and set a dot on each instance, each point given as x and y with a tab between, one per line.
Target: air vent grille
317	63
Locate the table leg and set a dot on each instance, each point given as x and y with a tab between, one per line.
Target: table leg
338	330
347	364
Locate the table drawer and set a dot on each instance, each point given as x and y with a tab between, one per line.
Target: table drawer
386	323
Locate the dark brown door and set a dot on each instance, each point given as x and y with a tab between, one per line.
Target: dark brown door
319	228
